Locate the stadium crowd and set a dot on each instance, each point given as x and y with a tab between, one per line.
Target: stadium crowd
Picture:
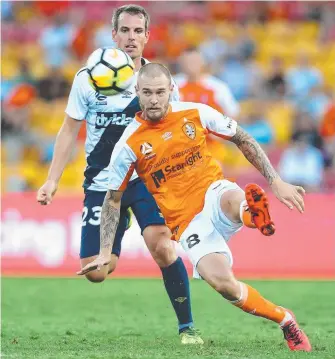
277	59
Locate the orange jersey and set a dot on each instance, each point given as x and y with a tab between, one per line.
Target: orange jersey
172	159
210	91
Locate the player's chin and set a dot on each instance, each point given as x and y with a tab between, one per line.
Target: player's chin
133	52
155	116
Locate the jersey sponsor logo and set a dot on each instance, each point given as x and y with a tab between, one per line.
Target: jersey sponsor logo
167	136
189	130
161	162
105	119
158	177
190	160
185	152
146	148
171	171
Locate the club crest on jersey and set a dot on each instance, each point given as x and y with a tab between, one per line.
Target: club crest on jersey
146	148
189	130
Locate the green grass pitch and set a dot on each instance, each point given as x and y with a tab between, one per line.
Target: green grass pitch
133	318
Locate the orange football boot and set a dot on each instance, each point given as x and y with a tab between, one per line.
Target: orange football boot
296	339
259	209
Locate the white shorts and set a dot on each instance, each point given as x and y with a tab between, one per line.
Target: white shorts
210	230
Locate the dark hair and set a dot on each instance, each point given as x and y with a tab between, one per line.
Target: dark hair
191	49
132	10
154	69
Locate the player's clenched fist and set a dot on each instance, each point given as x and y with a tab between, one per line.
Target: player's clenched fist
289	194
46	192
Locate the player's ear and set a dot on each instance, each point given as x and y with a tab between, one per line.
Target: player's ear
114	32
147	35
137	90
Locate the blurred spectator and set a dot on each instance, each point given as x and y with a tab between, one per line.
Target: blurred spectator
303	77
304	125
17	134
6	10
214	48
257	125
245	46
56	41
327	131
314	12
275	83
302	164
24	77
103	37
327	128
197	85
327	25
53	86
244	78
315	103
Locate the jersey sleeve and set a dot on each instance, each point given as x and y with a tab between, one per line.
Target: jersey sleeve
121	166
217	123
227	101
77	106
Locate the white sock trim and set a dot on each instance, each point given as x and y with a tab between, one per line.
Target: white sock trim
243	207
241	295
286	319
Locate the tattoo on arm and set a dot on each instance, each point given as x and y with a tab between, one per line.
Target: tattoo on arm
110	216
254	154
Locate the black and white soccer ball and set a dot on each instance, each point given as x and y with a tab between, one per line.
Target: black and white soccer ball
110	71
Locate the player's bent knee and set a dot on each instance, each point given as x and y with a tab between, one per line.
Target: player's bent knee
99	276
158	241
165	253
96	276
112	264
230	204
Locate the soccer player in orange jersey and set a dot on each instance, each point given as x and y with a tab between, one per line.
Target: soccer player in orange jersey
166	144
196	84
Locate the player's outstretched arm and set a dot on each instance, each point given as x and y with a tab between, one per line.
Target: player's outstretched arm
288	194
110	216
65	142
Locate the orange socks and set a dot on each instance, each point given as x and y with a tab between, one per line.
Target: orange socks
246	215
253	303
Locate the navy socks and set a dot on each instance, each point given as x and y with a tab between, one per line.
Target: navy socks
178	288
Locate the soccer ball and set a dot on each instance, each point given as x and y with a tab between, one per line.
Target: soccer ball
110	71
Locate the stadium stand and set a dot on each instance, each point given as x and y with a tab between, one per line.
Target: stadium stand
279	56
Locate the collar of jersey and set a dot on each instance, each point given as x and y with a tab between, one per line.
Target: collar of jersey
144	61
139	118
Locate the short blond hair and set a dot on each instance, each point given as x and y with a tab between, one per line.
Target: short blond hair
154	69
